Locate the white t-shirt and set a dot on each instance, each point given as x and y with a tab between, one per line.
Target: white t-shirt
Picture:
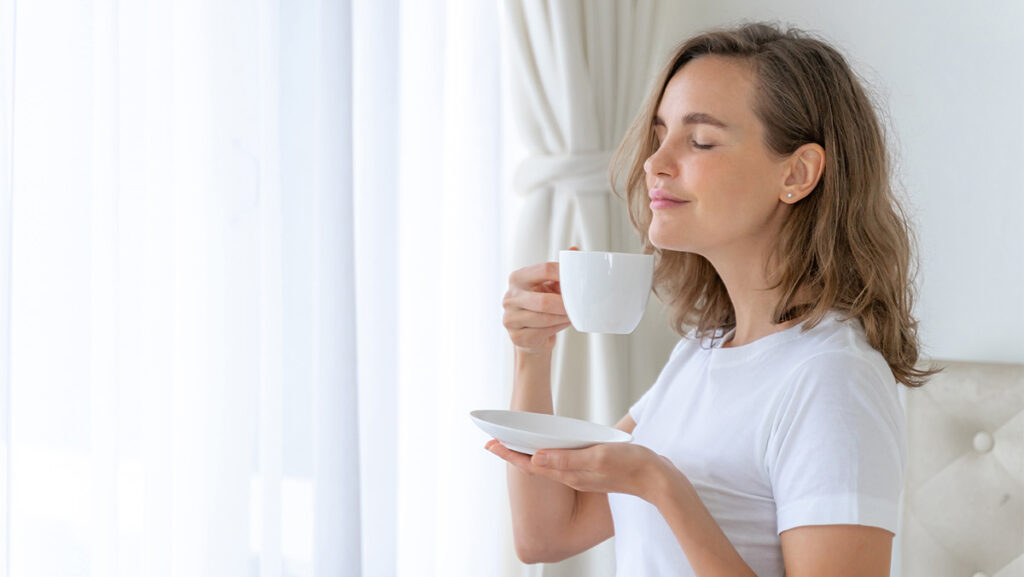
796	428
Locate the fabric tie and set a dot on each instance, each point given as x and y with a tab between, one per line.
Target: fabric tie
586	171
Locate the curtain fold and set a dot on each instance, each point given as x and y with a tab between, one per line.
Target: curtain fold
375	97
271	322
7	43
337	539
580	71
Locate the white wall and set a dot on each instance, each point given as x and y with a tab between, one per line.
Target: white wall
951	76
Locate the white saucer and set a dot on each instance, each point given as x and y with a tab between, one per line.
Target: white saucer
530	432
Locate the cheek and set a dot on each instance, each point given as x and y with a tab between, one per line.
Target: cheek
738	193
723	182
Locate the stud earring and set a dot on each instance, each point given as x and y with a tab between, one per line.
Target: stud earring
790	195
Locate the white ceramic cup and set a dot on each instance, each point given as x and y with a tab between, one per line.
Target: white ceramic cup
605	292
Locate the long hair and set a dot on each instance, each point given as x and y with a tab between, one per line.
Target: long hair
847	246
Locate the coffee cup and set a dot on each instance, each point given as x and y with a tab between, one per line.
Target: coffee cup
605	292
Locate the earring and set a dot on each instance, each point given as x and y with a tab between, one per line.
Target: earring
790	195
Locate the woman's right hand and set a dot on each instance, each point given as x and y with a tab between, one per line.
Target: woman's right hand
534	312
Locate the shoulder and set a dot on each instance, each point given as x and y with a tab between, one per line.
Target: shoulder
845	369
837	351
838	372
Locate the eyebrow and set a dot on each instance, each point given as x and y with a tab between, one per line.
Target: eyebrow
695	118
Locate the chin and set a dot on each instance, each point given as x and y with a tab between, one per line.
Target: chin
679	237
676	244
665	239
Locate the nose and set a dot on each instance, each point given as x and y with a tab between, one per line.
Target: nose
659	163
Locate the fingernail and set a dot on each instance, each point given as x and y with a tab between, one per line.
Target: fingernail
540	460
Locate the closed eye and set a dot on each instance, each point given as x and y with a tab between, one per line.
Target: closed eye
697	145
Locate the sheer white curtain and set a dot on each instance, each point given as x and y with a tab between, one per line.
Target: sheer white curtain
6	119
451	340
250	282
433	159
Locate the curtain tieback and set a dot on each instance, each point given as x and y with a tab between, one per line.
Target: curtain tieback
586	171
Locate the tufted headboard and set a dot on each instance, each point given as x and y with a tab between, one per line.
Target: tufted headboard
963	502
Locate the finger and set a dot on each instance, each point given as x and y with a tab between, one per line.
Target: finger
564	460
535	337
521	460
575	479
551	286
534	274
535	300
550	303
523	319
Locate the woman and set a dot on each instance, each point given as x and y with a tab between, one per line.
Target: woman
772	442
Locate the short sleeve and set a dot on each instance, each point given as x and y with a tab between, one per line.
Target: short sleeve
837	451
637	410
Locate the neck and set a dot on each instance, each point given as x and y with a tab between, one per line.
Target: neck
752	300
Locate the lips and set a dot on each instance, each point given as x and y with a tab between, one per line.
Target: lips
661	199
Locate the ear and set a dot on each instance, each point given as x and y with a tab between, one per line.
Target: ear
802	173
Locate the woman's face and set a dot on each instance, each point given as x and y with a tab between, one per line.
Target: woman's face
720	184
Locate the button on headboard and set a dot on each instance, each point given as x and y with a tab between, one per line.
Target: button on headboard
963	502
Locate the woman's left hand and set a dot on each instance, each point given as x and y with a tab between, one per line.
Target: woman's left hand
605	468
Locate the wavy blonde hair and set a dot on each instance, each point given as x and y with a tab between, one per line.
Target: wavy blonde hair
847	246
